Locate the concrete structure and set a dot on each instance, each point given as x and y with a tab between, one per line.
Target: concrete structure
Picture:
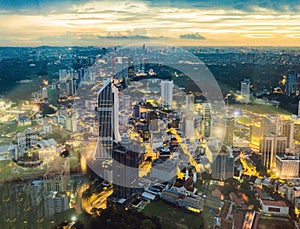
287	166
245	90
108	115
167	93
36	191
57	177
273	207
272	145
164	171
287	130
126	160
291	82
207	120
55	203
173	195
229	128
223	166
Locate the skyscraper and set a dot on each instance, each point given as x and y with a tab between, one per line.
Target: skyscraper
108	115
207	120
127	158
272	145
167	93
287	130
291	82
223	166
229	128
245	90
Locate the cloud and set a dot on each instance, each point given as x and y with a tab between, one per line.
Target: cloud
128	37
194	36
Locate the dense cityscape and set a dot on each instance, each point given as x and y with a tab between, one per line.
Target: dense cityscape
170	114
107	132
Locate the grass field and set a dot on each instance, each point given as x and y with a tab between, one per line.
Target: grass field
261	109
276	223
172	216
10	170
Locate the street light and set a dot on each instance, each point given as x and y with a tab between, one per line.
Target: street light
73	218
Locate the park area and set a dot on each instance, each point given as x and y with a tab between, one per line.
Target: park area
173	217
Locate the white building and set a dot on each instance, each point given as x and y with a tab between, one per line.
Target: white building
167	93
245	91
274	207
164	171
287	166
55	203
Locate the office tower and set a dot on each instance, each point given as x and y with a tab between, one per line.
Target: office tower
108	115
55	203
27	139
207	120
245	90
57	177
229	128
36	191
270	125
189	128
136	111
126	160
189	101
126	103
164	170
272	145
287	130
287	166
291	82
223	166
167	93
256	133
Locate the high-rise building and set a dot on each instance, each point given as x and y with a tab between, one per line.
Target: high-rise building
291	82
223	166
126	103
27	139
136	111
57	177
245	90
272	145
55	203
287	130
127	158
256	133
189	126
36	191
207	120
167	93
108	115
229	128
270	125
287	166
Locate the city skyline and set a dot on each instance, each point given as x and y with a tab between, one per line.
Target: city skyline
191	23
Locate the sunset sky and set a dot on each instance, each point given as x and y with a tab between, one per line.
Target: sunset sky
104	23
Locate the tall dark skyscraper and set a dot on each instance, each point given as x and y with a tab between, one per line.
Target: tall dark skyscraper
207	120
229	128
291	82
127	158
223	166
108	115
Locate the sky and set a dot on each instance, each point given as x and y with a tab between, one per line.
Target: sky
178	22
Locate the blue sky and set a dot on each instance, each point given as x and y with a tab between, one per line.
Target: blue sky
88	22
